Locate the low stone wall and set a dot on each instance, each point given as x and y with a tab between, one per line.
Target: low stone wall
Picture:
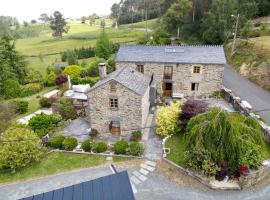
254	177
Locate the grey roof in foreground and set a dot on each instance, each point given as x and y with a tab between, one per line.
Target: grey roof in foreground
194	54
113	187
128	77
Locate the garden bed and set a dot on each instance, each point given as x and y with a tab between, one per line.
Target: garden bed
54	163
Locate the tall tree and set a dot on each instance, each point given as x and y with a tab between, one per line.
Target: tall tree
58	24
44	18
7	114
103	46
12	63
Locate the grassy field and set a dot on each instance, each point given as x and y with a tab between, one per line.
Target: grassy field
52	164
44	50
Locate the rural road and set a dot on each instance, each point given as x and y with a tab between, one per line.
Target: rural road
242	87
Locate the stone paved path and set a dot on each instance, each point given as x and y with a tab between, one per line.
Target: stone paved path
78	129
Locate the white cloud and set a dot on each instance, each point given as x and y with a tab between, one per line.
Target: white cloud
31	9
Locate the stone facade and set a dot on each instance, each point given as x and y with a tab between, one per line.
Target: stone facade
132	109
209	79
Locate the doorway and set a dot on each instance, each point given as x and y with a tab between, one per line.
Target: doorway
167	89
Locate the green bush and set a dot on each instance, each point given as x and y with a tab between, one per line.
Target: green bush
45	102
136	135
86	80
99	147
93	133
120	147
21	106
33	76
66	109
50	78
73	71
30	89
136	149
11	89
42	124
57	141
87	145
92	69
70	143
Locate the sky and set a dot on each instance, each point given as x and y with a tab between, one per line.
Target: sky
26	10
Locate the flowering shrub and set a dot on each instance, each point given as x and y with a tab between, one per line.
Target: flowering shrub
243	170
60	79
167	119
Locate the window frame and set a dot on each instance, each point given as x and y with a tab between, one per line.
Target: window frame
113	103
113	87
140	68
196	69
196	87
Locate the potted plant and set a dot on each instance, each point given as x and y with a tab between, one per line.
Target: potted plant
93	133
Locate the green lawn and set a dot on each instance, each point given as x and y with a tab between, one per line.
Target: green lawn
33	101
44	50
177	145
54	163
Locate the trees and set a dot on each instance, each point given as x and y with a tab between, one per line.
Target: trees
11	89
58	24
218	137
7	114
12	63
44	18
167	119
73	71
66	109
19	154
92	69
42	124
103	46
176	15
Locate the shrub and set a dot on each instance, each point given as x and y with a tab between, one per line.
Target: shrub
92	69
50	78
42	124
136	135
87	145
167	119
100	147
136	149
16	155
33	76
66	109
11	89
30	89
120	147
60	79
57	141
93	133
45	102
218	136
191	108
73	71
86	80
70	143
21	106
209	168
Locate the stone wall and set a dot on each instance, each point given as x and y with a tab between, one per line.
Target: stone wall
254	178
129	110
145	106
210	78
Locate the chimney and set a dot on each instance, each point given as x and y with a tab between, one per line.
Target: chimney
102	70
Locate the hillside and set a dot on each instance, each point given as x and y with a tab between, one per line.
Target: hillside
43	50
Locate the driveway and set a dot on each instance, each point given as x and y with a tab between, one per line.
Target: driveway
242	87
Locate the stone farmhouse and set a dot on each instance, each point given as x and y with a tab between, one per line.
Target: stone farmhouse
119	103
179	71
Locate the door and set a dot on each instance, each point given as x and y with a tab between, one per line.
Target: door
167	89
115	128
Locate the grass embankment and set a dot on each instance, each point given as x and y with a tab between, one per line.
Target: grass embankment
152	24
43	50
54	163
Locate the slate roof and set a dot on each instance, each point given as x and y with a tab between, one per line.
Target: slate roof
194	54
113	187
128	77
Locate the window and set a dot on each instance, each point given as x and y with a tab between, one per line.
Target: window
194	86
113	87
168	70
140	68
196	69
114	103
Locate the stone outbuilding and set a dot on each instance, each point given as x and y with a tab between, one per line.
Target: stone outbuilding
179	71
119	103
